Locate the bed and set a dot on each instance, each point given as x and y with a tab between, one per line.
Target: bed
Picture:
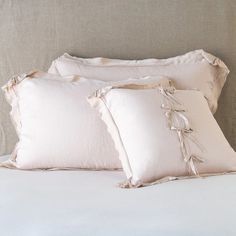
63	203
82	202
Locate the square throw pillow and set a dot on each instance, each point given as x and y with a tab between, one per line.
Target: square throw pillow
163	134
56	126
196	70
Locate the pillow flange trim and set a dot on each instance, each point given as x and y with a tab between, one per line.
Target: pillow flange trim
97	100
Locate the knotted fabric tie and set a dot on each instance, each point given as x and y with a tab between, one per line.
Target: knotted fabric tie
177	121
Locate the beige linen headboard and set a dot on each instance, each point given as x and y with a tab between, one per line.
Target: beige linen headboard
33	33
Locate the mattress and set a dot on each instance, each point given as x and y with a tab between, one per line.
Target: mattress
47	203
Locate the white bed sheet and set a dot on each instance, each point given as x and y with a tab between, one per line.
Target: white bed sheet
46	203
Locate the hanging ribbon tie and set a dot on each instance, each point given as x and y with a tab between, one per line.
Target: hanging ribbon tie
177	121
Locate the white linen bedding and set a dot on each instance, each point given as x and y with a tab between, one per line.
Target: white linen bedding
46	203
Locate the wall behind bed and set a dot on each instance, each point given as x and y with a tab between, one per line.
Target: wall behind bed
33	33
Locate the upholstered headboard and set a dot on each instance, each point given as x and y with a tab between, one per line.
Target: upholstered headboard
33	33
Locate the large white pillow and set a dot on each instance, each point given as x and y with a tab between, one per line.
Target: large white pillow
56	126
162	134
195	70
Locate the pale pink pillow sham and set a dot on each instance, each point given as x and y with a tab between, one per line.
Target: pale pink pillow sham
196	70
56	126
163	134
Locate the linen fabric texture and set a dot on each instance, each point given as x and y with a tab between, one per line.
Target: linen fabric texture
196	70
163	134
56	126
